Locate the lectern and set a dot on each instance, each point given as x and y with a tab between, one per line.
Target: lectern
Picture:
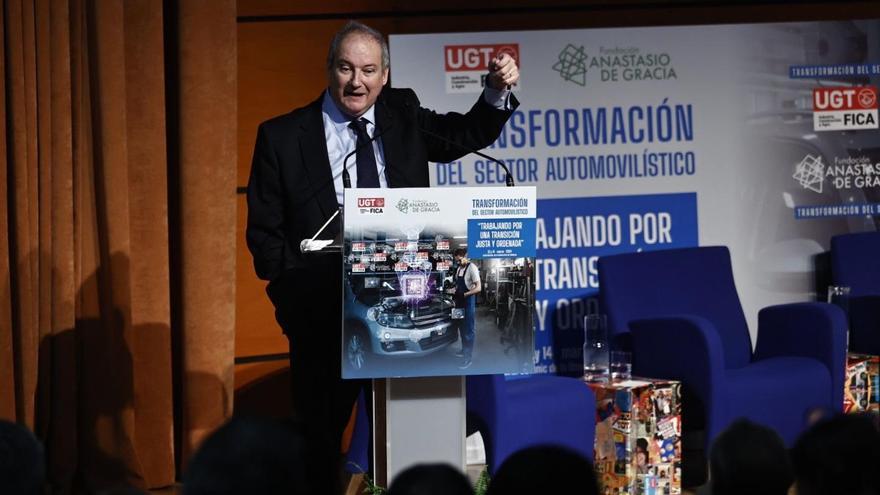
405	324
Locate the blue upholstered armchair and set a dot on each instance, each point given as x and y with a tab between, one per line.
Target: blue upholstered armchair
855	263
540	409
686	323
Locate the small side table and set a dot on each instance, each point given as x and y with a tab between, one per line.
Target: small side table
638	436
861	391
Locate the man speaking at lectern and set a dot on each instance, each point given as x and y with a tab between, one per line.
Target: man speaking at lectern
296	185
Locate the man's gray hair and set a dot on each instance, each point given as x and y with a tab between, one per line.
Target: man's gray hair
355	27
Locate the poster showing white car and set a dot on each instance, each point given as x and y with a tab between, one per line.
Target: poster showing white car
438	282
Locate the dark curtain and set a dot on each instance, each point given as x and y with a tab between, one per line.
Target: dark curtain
117	201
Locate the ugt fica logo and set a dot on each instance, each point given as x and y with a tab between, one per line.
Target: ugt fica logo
845	108
371	206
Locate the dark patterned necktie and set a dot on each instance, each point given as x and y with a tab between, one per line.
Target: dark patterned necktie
367	172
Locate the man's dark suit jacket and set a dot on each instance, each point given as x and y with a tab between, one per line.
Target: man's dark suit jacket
291	194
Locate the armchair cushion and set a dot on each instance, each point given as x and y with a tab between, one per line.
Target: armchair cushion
761	390
535	410
813	330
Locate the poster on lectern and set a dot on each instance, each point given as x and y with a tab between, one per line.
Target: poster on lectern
438	281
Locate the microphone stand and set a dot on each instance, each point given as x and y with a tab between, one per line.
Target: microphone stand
314	244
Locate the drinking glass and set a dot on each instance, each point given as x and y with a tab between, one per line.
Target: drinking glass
595	348
621	365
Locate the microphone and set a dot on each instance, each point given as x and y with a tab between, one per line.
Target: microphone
314	244
508	179
346	178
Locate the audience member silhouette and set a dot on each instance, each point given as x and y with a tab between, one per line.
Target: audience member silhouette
22	468
544	469
748	458
839	455
265	456
122	490
431	479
